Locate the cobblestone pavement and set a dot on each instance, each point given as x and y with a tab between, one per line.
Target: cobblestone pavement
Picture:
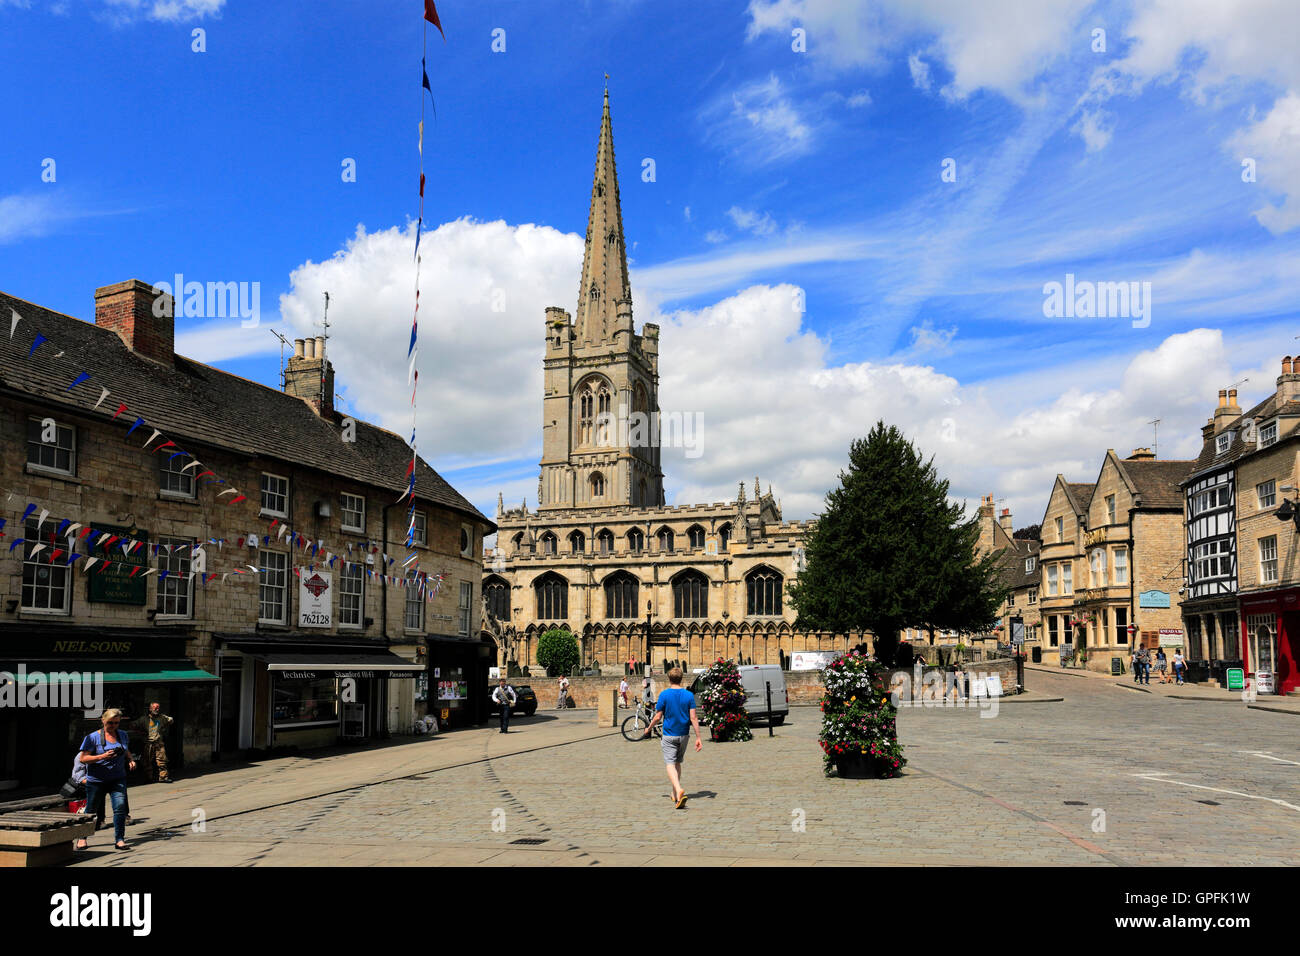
1105	777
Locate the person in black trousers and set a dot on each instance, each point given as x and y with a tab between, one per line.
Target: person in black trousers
506	697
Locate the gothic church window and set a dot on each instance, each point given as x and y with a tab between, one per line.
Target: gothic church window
548	543
763	590
695	535
597	485
577	542
620	595
691	595
665	540
635	541
605	542
552	597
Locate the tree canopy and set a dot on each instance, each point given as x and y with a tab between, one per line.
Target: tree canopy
890	552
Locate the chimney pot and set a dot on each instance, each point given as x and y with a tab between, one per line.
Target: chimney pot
320	349
297	348
309	348
1232	397
1286	365
142	318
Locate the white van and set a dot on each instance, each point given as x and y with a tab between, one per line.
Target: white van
755	678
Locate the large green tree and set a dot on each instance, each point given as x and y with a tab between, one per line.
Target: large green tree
557	651
891	552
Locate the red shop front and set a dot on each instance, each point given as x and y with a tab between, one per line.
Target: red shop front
1270	632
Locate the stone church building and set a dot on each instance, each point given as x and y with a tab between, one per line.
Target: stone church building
601	554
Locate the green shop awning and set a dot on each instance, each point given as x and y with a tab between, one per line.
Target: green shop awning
123	672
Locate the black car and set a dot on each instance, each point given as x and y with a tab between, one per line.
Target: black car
525	700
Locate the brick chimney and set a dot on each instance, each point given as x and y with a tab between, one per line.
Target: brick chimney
1141	454
303	374
1288	383
1005	520
143	319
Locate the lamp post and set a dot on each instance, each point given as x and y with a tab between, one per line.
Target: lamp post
645	657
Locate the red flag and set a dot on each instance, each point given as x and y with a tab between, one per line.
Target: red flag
431	14
120	409
237	499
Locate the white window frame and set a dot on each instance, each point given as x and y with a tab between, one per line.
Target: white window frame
1053	580
1266	493
420	530
263	559
1033	595
264	493
1119	566
1110	509
359	594
1029	565
33	539
1060	530
71	448
468	550
465	602
1098	567
165	468
414	600
345	500
1268	559
1268	434
170	563
1067	577
1222	443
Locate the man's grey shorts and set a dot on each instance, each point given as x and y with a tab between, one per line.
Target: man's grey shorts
675	748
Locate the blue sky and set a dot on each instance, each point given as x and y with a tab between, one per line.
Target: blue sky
780	175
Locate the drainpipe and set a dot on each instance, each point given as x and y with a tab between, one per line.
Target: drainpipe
383	583
1132	574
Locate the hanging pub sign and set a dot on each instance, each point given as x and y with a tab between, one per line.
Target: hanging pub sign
315	599
123	581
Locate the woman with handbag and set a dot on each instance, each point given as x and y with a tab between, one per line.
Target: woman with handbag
107	756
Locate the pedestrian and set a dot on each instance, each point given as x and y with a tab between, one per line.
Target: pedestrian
622	691
1133	666
1162	665
564	692
646	688
505	696
676	706
1143	664
156	724
107	756
1180	667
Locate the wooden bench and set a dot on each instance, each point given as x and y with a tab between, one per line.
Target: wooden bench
41	837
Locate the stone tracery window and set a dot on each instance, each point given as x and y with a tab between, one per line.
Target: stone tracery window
620	595
690	595
552	597
763	592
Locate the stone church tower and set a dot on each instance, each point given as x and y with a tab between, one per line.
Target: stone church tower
603	555
601	379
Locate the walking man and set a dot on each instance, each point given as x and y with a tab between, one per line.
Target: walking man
564	692
1144	664
676	706
505	696
156	724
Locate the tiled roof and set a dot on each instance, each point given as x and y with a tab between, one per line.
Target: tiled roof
1210	457
1158	480
1081	491
1011	564
193	402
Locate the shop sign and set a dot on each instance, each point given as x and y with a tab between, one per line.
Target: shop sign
346	675
1171	637
1264	682
315	599
1236	678
116	585
1153	598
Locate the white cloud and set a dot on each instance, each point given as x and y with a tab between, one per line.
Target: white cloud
686	213
1095	128
763	125
760	224
927	339
169	11
920	71
1274	143
715	236
859	99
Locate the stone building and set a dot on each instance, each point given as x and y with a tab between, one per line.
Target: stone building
247	552
1060	559
1245	481
601	554
1017	572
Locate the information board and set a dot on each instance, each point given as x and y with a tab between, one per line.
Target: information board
114	584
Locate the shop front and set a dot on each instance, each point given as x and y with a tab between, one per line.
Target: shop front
56	680
282	692
1212	638
458	684
1270	640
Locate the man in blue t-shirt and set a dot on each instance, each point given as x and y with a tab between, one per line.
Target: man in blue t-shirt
677	708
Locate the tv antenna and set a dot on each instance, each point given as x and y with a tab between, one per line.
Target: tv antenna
1155	441
283	343
325	325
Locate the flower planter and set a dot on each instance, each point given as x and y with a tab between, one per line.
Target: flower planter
857	767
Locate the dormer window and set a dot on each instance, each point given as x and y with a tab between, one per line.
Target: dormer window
1223	443
1029	565
1268	435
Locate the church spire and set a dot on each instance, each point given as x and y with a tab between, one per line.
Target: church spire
604	284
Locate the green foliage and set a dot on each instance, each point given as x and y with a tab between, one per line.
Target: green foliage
859	716
890	552
557	651
722	702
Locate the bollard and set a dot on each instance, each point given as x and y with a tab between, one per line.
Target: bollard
770	731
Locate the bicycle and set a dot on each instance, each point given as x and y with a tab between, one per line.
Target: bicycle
634	726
